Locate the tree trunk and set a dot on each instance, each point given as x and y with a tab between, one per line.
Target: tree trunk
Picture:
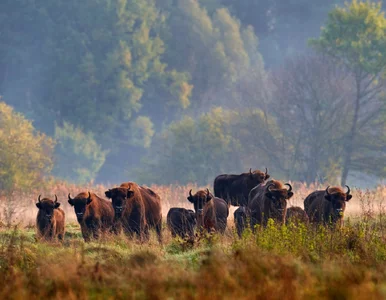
352	134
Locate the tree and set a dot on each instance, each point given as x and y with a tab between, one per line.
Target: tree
311	105
26	155
78	157
355	37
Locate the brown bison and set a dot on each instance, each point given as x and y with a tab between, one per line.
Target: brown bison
327	207
50	219
94	214
269	201
296	215
240	217
211	212
181	222
129	207
234	189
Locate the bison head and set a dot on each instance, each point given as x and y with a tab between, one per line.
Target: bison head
199	200
278	198
80	203
338	199
119	197
258	176
47	206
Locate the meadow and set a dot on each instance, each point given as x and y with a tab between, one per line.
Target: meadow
278	262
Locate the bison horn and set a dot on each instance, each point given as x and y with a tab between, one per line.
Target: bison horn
69	197
348	190
39	198
89	195
290	187
190	193
269	187
266	171
207	192
327	191
56	198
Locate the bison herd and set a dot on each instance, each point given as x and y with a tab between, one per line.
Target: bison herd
136	209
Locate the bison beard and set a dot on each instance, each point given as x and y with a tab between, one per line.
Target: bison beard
269	201
50	220
327	206
94	214
234	189
181	222
211	212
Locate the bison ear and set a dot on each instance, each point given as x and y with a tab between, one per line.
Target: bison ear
108	194
348	197
71	202
289	195
38	205
268	195
267	176
190	199
89	200
209	197
130	194
57	204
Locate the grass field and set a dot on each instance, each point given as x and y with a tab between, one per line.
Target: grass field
275	263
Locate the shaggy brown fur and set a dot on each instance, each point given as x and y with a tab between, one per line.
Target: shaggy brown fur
296	215
211	212
268	201
327	206
129	208
181	222
50	221
234	189
95	215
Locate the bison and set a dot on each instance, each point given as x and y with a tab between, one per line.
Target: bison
240	217
211	212
269	201
94	214
129	207
328	206
181	222
296	215
50	220
234	189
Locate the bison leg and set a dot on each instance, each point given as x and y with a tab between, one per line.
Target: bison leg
158	229
86	233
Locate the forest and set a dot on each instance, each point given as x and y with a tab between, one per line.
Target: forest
179	91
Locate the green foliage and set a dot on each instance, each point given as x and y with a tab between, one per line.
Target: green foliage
25	154
356	36
219	141
78	157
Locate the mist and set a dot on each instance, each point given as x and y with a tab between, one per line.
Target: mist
163	92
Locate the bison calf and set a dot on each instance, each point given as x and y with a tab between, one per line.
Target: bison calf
269	201
327	207
50	219
181	222
240	216
211	212
94	214
296	215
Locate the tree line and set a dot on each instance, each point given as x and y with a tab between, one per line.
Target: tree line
180	91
